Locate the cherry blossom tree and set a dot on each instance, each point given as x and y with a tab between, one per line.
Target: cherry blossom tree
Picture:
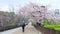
36	12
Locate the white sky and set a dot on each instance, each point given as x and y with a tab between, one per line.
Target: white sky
6	4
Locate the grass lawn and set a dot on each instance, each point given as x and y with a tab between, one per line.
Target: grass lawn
52	26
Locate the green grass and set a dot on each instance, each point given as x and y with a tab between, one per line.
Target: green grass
52	26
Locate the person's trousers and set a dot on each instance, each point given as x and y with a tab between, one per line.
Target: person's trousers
23	29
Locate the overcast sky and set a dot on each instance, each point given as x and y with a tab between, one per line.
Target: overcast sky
6	4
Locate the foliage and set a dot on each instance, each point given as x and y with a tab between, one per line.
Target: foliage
34	11
10	20
52	26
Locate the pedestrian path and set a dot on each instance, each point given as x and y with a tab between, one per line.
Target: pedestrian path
10	31
29	29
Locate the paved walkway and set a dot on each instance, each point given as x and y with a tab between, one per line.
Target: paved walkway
28	30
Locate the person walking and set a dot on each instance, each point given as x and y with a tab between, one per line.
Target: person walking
23	26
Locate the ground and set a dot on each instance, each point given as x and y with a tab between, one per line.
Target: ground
29	29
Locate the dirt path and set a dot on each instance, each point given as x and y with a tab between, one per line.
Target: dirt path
28	30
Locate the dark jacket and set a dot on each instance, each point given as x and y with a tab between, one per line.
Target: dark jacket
23	25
